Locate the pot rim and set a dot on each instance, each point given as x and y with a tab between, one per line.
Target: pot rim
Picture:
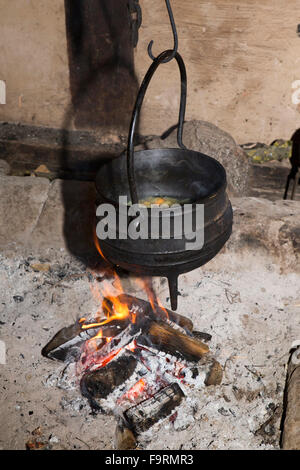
176	150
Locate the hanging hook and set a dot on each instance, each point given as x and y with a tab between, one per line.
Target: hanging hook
175	47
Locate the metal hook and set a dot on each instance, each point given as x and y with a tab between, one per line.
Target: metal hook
174	36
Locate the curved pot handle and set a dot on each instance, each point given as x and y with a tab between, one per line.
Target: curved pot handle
135	115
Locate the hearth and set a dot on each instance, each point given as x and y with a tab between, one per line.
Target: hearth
136	360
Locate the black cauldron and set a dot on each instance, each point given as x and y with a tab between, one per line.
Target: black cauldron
177	173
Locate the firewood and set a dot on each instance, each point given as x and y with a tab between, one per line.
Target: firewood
142	306
291	425
63	336
202	336
68	341
173	341
142	416
124	438
100	383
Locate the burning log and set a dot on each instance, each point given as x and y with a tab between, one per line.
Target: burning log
155	312
66	344
100	383
173	341
142	416
63	336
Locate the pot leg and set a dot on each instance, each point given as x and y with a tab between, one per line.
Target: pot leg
173	289
287	187
296	182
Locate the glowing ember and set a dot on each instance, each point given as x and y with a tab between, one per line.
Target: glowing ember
132	346
135	391
90	360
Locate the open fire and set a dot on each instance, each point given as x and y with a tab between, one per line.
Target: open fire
134	358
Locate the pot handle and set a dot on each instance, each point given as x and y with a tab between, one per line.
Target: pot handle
136	111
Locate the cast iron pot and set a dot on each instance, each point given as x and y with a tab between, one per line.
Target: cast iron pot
179	173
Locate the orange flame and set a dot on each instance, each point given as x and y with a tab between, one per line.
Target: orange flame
97	245
113	309
119	310
154	301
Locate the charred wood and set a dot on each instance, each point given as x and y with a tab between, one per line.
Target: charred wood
63	336
66	344
100	383
202	336
142	416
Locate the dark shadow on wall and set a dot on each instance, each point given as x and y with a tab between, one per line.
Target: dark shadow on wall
102	80
103	88
294	175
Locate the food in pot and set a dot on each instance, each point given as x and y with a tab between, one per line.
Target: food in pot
160	200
